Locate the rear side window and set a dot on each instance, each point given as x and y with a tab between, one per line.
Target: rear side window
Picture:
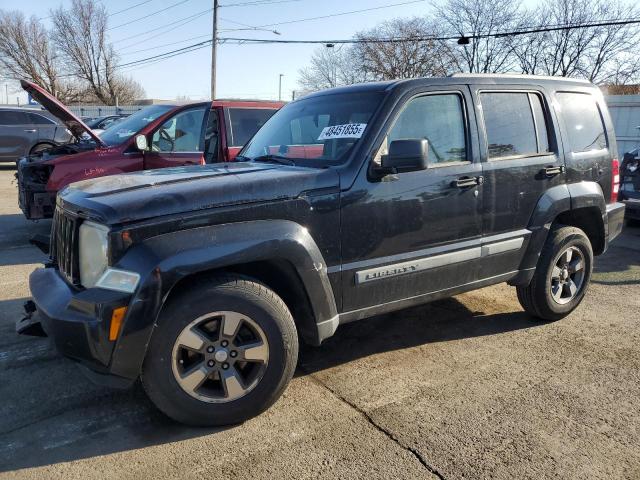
245	122
582	121
515	123
36	119
9	117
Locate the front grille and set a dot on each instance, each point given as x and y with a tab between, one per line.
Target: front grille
64	248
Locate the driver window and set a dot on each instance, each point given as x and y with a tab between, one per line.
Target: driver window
181	133
437	118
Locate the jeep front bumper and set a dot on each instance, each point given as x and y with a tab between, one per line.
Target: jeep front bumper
78	322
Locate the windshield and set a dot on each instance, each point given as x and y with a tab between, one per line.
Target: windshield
323	128
124	130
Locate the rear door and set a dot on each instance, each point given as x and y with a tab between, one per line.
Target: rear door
45	126
179	140
521	161
16	134
242	124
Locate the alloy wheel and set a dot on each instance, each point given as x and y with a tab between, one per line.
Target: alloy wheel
220	357
567	276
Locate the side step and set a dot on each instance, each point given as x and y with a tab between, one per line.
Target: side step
30	324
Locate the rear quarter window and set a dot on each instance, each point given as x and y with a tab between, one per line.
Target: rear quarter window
582	121
245	122
36	119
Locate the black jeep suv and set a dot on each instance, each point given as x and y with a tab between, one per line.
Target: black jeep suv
348	203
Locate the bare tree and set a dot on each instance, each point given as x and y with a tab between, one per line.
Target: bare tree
330	67
80	36
601	54
26	52
488	54
416	55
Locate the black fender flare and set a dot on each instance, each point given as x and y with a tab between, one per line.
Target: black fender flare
555	201
166	259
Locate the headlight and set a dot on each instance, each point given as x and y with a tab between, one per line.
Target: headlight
94	251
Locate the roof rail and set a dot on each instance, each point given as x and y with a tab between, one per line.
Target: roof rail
518	75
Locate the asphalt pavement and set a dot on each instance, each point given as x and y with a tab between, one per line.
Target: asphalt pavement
468	387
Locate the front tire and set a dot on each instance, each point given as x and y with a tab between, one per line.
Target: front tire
562	276
40	147
220	354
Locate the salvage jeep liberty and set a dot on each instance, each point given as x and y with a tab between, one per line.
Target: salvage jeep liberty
347	203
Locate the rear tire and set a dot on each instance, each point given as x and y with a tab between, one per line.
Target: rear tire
239	340
562	276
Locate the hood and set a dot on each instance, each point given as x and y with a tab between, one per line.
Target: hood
76	126
153	193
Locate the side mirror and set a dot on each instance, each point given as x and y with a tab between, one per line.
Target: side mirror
141	143
406	156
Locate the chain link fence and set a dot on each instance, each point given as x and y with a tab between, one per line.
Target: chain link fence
94	111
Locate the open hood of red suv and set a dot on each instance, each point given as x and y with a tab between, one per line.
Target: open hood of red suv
76	126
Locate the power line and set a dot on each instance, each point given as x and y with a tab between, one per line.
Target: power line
206	43
110	14
182	21
339	14
148	15
258	3
129	8
207	35
431	38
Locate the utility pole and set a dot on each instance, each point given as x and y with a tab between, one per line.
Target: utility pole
214	44
280	87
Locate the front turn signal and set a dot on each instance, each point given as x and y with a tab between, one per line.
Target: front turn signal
116	322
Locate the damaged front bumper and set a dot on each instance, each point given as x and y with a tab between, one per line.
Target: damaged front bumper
33	198
76	320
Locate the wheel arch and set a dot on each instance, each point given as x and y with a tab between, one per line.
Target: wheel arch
279	253
41	142
580	205
277	274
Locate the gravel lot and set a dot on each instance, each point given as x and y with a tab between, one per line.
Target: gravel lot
468	387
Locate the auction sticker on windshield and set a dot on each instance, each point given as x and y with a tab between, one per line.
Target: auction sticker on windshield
348	130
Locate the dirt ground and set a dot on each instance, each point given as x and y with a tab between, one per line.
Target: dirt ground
468	387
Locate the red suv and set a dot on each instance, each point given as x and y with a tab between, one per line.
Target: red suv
158	136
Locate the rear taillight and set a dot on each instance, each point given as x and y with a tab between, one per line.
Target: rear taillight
615	179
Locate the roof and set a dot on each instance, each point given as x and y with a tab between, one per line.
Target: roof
33	108
456	78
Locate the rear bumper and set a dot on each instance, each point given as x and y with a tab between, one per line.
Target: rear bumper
615	220
78	321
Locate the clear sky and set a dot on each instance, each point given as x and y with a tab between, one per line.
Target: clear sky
247	71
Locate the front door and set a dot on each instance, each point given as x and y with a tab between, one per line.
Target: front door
179	140
414	233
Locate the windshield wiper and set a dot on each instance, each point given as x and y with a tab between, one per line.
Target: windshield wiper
274	159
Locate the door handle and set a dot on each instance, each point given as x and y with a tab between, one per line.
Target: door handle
465	182
552	171
30	130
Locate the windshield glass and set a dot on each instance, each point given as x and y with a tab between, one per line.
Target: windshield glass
323	129
122	131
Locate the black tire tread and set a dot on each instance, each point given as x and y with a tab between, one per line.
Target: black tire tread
251	287
527	295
